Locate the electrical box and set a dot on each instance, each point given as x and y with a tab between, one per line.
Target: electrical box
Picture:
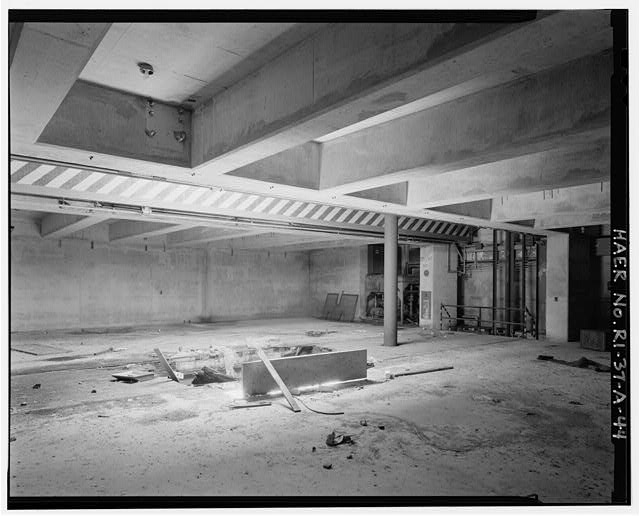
376	259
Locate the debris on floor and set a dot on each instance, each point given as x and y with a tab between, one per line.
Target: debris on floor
166	366
299	350
318	333
133	376
363	422
11	439
422	371
36	386
334	439
278	380
250	404
582	363
484	397
327	465
208	375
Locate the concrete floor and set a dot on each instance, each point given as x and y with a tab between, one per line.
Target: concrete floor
500	423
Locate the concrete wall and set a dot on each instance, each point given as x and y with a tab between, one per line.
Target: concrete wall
477	284
557	294
437	285
337	270
67	284
256	284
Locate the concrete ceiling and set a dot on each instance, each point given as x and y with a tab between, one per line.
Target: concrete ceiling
431	121
186	57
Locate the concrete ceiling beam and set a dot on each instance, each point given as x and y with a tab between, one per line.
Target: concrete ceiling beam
395	193
47	60
273	240
351	76
62	225
540	112
101	120
126	231
480	209
559	168
572	220
205	235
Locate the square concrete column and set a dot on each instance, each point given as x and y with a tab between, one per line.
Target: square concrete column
437	285
557	296
390	280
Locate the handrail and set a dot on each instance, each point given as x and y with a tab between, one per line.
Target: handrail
524	311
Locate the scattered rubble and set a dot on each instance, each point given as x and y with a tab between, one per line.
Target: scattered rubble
327	465
208	375
36	386
318	333
582	363
334	439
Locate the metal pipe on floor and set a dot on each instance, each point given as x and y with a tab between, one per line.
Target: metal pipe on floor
390	279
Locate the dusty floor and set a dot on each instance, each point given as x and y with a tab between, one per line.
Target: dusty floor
500	423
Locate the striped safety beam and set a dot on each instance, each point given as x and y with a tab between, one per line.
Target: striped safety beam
152	191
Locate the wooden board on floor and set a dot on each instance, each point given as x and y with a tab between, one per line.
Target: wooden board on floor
166	366
276	377
37	348
300	371
134	376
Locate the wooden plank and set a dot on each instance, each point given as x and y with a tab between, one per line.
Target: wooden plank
133	376
274	374
251	404
166	365
304	370
36	348
423	371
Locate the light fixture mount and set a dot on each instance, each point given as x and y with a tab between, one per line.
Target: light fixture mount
145	69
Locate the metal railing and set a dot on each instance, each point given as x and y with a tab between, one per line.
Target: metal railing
527	323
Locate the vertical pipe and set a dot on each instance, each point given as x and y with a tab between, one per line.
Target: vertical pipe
403	261
508	260
537	290
523	282
494	298
390	279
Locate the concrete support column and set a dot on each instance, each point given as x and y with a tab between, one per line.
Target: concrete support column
557	291
390	279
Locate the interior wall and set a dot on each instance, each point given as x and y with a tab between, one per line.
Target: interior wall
557	291
250	284
334	271
437	285
477	283
65	284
